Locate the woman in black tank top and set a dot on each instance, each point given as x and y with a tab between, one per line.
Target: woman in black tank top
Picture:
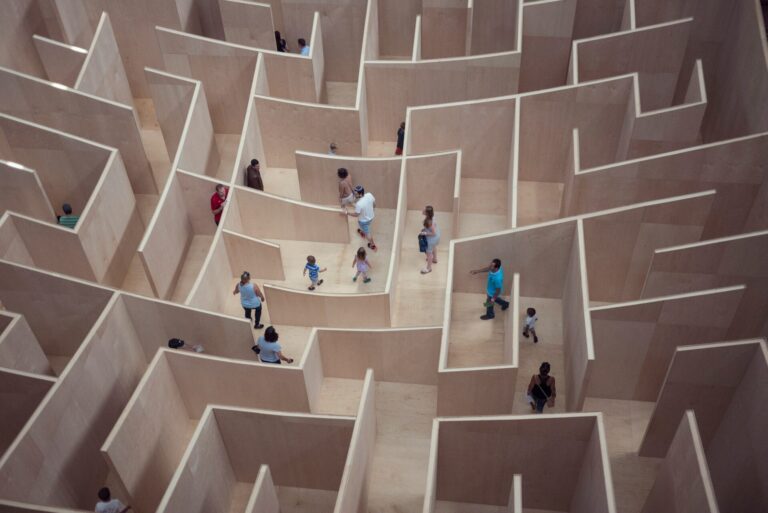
542	389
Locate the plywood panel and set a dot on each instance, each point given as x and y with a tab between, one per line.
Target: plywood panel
391	87
286	127
291	76
443	28
297	307
476	391
494	26
348	353
547	35
19	20
19	348
702	378
103	73
264	497
634	342
291	220
74	420
483	130
396	20
432	181
23	193
198	153
172	96
306	451
247	23
20	393
318	179
208	293
82	115
594	488
683	481
262	257
12	247
62	63
225	70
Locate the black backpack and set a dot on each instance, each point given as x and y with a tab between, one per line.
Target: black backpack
175	343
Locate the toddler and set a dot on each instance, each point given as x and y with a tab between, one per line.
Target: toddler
314	272
362	264
530	324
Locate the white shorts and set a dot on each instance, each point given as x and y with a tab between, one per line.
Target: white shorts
349	200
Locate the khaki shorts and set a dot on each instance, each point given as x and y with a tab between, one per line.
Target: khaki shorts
349	200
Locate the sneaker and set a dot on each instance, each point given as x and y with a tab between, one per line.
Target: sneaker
366	280
487	317
258	326
526	335
426	271
504	306
311	288
319	283
535	339
198	349
354	278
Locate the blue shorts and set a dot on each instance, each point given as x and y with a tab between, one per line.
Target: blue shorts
365	226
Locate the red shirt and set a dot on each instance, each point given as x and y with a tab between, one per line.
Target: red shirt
216	202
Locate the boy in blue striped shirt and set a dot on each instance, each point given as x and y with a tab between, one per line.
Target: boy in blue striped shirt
314	272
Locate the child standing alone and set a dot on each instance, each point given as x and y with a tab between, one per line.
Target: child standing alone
314	272
362	264
530	324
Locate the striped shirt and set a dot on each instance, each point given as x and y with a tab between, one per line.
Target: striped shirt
68	221
313	269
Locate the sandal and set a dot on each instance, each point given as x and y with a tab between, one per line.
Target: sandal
319	283
372	246
311	288
366	280
426	271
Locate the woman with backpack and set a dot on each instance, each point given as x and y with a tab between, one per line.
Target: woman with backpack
541	389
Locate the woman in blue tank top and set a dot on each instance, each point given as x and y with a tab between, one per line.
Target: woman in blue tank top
250	297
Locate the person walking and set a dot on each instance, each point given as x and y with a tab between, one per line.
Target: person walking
541	389
253	176
346	196
400	139
364	212
432	234
250	298
268	349
493	288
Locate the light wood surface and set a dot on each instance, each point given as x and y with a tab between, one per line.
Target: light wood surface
62	63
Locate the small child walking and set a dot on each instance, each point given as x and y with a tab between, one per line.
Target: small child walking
362	264
314	272
530	324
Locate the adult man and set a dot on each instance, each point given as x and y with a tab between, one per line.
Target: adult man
253	176
364	212
218	200
493	288
68	220
303	47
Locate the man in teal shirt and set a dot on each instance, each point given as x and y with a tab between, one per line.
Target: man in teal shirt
493	288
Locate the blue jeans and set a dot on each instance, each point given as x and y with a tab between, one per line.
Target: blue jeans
499	301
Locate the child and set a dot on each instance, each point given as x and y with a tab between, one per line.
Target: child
314	271
530	324
107	504
346	196
362	264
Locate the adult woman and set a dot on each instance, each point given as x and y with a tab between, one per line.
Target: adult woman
251	298
432	232
542	389
269	350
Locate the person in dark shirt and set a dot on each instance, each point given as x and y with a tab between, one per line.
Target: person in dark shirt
280	42
541	389
400	139
253	176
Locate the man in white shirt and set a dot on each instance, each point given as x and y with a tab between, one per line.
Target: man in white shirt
107	504
364	212
303	47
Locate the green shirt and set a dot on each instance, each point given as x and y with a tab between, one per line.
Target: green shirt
68	221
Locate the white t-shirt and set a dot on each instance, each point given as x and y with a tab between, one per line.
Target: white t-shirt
530	322
113	506
364	207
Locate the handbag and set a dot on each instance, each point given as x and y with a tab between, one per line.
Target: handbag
423	243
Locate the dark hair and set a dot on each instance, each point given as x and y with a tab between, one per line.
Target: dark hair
427	222
302	42
402	125
430	212
361	253
254	162
67	208
104	494
311	259
497	263
219	186
359	189
245	276
277	38
544	369
270	335
342	172
531	312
